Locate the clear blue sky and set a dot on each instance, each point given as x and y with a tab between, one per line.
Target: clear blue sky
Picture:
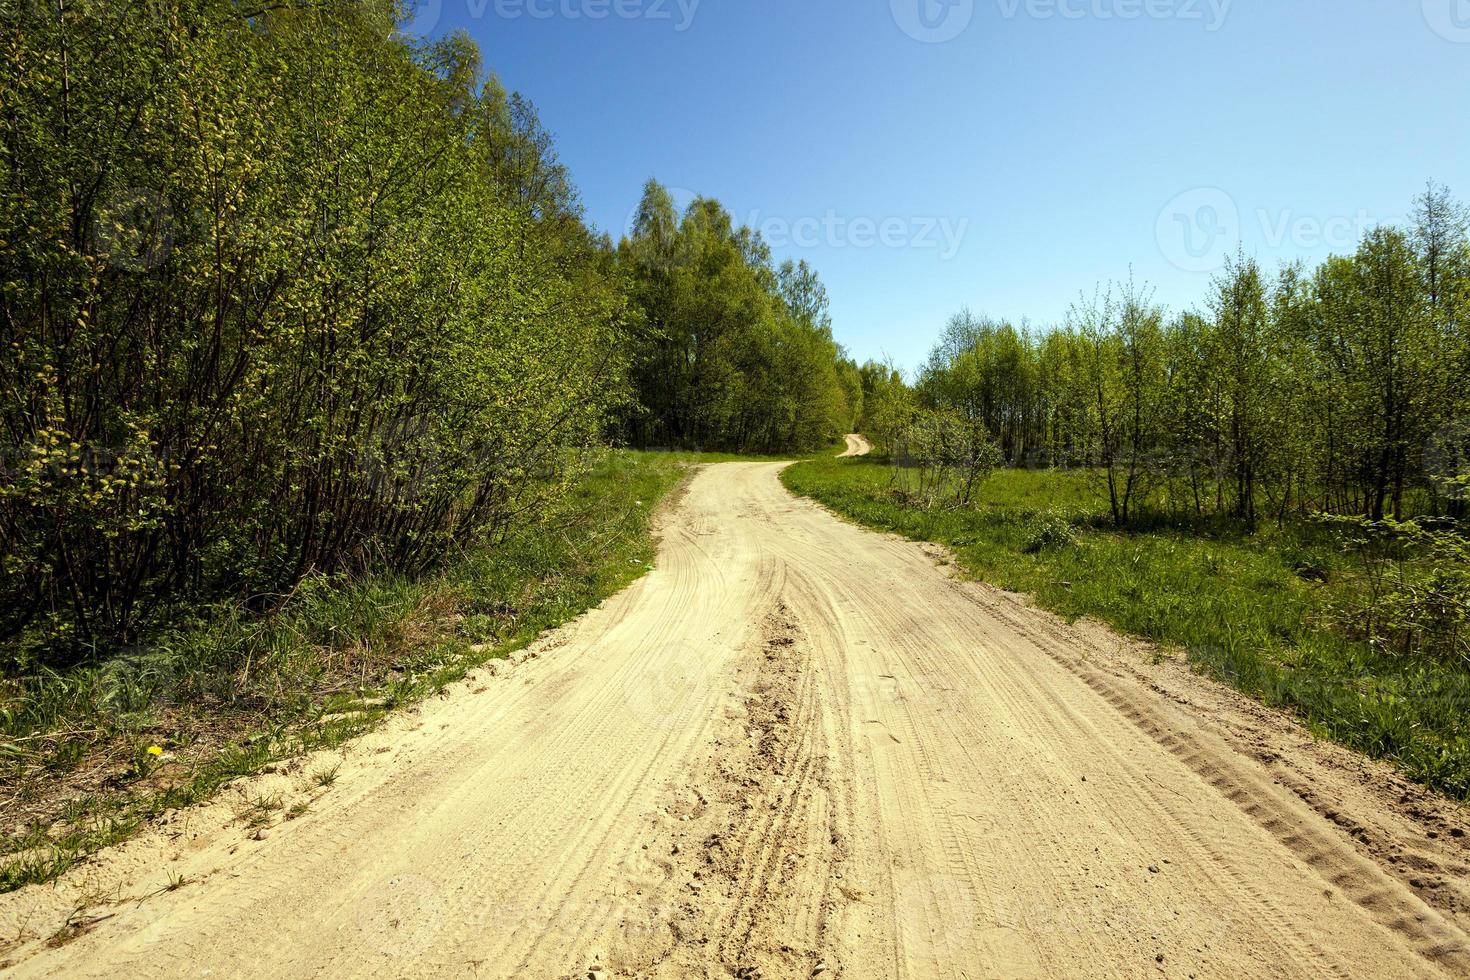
1056	143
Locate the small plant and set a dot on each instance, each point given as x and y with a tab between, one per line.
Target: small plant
479	628
67	755
257	812
950	453
1308	562
1052	532
325	777
146	759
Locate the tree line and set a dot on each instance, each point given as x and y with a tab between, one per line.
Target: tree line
731	351
288	292
1337	389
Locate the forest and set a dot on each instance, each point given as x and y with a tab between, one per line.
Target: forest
1330	390
290	293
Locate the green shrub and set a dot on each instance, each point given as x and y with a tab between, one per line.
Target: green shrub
1049	533
285	293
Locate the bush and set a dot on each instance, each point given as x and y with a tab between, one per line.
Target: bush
945	446
1415	586
1051	532
284	293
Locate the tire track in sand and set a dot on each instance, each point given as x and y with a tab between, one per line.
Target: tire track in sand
796	748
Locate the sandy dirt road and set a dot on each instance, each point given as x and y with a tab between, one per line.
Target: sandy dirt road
795	748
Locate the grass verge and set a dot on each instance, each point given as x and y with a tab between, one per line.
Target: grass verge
89	756
1254	610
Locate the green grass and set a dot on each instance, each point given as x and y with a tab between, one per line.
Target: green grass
1254	610
228	695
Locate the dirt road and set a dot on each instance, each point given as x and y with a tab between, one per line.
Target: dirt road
796	748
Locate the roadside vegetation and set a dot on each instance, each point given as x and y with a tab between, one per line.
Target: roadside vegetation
1276	483
92	752
1276	613
310	365
287	293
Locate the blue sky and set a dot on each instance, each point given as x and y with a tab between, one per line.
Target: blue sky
927	155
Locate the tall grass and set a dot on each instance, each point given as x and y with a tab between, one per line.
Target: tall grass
1254	610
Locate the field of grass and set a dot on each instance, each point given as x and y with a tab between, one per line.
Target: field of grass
1254	610
88	756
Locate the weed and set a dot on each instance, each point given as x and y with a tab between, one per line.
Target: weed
258	811
1051	532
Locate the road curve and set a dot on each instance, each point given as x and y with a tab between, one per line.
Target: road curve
856	446
795	748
